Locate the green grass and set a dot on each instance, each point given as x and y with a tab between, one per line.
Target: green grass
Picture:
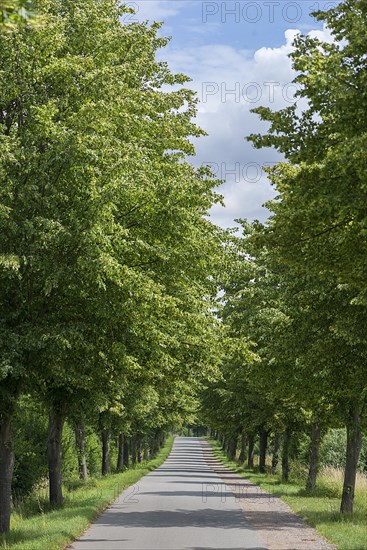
35	527
319	509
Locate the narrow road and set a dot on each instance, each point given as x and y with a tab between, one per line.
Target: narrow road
183	505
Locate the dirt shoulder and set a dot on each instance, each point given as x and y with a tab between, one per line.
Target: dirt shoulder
276	524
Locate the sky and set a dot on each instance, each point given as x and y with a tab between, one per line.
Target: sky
236	53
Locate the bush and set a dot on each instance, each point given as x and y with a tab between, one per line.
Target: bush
30	437
333	449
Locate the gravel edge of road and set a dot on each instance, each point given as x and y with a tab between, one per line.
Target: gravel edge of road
275	522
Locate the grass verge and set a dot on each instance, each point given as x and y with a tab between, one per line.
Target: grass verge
319	509
34	527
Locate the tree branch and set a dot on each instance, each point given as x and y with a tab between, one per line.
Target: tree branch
320	233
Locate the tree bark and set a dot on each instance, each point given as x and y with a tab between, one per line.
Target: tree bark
79	429
285	455
232	448
6	473
263	446
314	458
146	451
153	448
242	456
120	456
139	450
106	452
276	448
133	450
54	455
126	460
250	454
354	445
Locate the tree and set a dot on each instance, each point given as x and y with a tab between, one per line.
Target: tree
108	263
318	226
285	319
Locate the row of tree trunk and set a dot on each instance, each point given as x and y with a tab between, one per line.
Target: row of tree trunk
130	450
281	442
245	442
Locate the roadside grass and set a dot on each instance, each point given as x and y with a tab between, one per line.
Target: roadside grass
319	509
34	526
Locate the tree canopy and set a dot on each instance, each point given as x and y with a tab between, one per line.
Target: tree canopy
108	259
297	289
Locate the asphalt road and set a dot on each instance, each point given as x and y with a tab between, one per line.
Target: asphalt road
183	505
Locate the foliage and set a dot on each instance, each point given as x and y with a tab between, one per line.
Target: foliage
35	527
14	13
108	261
295	290
30	434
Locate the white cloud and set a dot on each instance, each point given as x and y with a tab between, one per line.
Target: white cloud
230	82
324	35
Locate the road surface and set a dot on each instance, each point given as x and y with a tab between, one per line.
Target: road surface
183	505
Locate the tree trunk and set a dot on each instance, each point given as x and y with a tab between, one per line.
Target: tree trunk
153	448
139	450
6	473
314	459
242	457
126	453
250	454
354	445
285	455
79	429
146	451
225	449
120	456
133	450
263	446
106	452
276	448
232	448
54	455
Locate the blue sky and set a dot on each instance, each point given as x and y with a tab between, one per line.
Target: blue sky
236	53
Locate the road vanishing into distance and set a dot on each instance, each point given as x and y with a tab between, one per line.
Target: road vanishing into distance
183	505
